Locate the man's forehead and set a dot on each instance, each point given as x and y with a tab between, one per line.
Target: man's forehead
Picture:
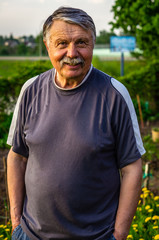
64	29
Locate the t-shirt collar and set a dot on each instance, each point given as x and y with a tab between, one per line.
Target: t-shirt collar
84	80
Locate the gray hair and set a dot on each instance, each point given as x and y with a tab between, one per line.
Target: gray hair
72	16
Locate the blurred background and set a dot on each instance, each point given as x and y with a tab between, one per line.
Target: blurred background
135	64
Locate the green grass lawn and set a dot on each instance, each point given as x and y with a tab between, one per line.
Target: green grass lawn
9	67
112	68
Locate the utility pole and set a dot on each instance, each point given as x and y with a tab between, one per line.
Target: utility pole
122	64
40	44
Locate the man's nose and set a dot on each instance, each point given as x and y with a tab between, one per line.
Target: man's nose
72	51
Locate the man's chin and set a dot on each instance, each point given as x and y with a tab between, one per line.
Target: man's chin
73	76
72	71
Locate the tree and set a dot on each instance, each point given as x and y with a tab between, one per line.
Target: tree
41	49
140	19
22	49
11	37
1	40
104	37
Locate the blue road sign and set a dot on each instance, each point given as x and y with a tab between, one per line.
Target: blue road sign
122	43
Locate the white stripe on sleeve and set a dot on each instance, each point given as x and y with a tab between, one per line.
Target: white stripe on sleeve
123	91
15	115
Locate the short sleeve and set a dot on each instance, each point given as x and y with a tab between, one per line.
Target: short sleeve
129	146
16	136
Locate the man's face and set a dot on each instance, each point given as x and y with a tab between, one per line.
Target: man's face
70	41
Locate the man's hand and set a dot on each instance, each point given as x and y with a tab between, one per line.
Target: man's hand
14	225
119	236
128	200
15	217
16	166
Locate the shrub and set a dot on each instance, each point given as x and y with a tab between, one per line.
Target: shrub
144	81
152	150
5	121
146	111
10	86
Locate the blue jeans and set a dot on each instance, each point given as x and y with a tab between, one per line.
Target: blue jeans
112	237
18	234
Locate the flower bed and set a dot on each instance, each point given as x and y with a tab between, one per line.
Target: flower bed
145	225
5	231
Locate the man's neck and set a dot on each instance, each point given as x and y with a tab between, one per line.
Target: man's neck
71	83
67	83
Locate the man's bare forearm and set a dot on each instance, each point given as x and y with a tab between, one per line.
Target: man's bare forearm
16	166
129	197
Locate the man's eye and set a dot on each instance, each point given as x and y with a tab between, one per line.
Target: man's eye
62	44
81	42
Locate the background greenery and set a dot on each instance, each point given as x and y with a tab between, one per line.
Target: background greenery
136	18
140	19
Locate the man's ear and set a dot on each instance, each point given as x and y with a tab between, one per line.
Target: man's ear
46	45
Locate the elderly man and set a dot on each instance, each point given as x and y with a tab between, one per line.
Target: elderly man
73	132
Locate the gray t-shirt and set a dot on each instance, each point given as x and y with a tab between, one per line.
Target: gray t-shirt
75	141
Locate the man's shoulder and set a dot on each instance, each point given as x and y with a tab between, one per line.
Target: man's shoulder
103	82
41	79
110	88
101	75
104	79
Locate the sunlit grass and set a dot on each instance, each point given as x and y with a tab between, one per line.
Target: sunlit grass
9	67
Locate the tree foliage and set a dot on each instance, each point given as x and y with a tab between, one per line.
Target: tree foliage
140	19
23	46
104	37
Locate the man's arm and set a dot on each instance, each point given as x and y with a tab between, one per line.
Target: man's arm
129	197
16	166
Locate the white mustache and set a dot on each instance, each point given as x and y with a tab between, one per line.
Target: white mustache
71	61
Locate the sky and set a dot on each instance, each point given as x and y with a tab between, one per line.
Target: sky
26	17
